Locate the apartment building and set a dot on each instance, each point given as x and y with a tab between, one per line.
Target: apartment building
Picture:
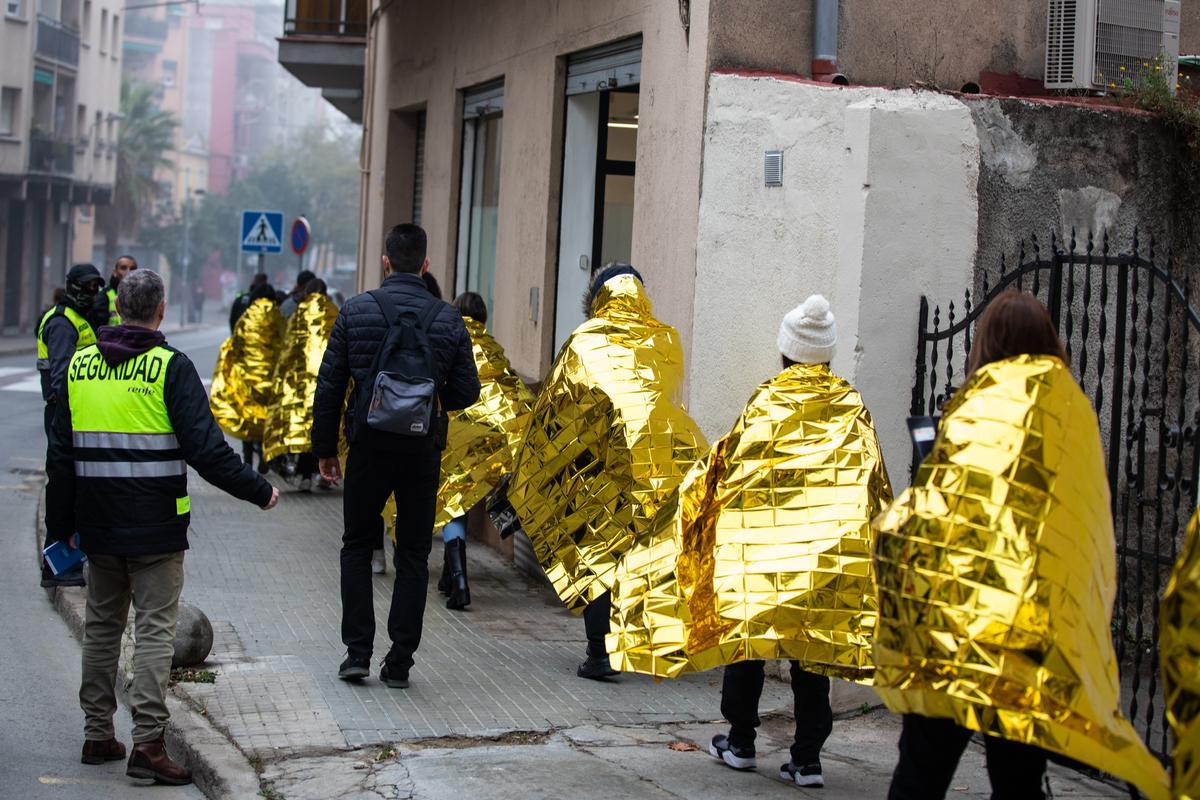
60	82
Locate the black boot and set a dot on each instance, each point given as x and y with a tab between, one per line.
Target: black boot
460	592
597	667
444	581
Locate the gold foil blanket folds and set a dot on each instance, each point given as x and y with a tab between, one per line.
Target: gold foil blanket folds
607	443
482	440
1179	644
290	414
997	573
764	551
243	381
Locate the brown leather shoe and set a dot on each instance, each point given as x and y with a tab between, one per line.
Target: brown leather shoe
97	752
150	760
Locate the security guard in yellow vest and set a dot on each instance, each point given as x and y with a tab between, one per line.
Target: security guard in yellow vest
134	418
62	331
104	310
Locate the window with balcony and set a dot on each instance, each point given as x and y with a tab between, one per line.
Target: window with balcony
103	31
10	109
50	9
325	17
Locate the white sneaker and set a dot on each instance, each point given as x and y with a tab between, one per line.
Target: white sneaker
808	775
378	562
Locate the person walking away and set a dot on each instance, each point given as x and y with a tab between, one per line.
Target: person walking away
242	390
199	295
104	308
288	426
399	322
62	331
777	576
481	446
133	418
243	300
298	293
996	572
584	498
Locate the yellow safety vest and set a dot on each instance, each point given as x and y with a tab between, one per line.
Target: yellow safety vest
121	430
113	317
86	336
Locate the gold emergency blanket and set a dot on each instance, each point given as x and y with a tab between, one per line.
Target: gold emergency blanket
1179	645
243	381
290	415
765	549
997	573
483	439
607	443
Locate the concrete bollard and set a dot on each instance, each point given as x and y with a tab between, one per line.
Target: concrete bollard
193	637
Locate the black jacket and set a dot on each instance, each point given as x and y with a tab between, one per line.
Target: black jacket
98	314
357	336
112	524
237	308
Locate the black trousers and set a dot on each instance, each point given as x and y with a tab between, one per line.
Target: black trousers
740	692
929	754
596	618
412	478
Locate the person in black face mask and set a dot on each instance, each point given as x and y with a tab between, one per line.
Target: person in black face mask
63	329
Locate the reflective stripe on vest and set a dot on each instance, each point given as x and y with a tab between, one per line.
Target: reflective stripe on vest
113	317
119	418
85	336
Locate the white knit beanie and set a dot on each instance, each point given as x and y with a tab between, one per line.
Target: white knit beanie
808	333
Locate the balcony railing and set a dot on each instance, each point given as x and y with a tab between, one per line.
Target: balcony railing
50	155
57	42
325	18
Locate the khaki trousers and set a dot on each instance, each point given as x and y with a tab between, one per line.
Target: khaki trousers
152	584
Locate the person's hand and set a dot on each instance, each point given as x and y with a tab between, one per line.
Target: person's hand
73	541
331	469
274	501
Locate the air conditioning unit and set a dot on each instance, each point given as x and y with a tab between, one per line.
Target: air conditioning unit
1105	45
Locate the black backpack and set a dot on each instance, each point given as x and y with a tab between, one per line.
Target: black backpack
400	396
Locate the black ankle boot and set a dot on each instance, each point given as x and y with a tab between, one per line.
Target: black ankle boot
444	581
460	592
597	666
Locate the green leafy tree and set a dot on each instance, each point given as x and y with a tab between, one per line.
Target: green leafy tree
147	133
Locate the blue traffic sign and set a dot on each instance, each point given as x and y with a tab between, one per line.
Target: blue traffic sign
262	232
301	235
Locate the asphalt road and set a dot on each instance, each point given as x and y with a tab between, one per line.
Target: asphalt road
41	726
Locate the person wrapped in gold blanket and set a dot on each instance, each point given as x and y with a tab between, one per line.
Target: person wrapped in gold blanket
1180	648
607	443
764	552
244	378
289	419
997	573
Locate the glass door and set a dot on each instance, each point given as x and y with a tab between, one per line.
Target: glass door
479	193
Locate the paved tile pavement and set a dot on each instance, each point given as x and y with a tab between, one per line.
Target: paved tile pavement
269	582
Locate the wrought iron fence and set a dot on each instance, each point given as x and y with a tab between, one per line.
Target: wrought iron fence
325	18
1133	339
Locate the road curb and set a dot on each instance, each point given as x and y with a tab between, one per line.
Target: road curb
219	768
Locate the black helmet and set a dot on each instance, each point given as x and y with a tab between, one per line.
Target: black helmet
83	284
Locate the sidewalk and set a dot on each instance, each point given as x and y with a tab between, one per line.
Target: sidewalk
497	681
494	710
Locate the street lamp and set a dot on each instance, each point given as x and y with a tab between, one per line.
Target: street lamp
186	260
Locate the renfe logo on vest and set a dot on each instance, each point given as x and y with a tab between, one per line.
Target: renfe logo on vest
146	367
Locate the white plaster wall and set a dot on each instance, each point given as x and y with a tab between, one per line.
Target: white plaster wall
878	205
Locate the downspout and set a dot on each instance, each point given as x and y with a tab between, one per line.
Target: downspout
825	43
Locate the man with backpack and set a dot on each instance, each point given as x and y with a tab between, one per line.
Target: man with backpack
409	355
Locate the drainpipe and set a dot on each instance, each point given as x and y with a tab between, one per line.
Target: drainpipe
825	43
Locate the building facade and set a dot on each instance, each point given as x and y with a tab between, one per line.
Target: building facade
535	140
60	82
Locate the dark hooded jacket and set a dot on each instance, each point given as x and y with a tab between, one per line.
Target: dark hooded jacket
115	523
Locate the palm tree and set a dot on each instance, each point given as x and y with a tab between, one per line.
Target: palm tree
147	133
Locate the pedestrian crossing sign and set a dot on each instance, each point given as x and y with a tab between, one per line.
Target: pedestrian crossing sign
262	232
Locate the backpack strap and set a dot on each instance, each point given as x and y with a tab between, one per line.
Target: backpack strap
387	305
429	314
